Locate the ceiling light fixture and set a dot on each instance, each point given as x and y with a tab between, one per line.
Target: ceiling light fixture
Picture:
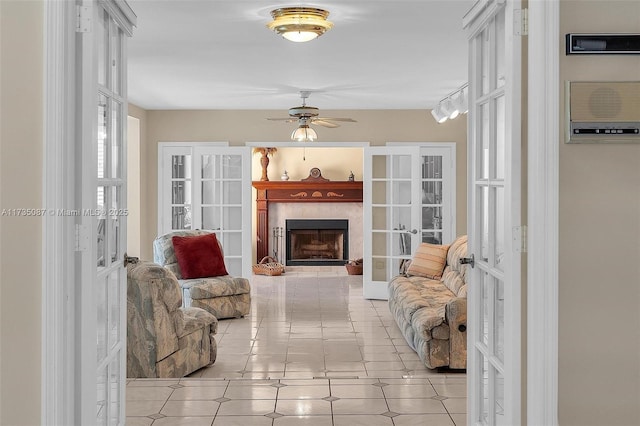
300	24
304	133
450	108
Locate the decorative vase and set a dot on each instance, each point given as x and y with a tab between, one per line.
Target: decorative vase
284	176
264	162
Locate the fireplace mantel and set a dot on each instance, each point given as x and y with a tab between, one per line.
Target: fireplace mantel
304	191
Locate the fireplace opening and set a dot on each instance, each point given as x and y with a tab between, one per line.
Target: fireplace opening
317	242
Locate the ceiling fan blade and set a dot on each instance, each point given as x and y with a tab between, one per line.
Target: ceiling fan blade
287	120
348	120
324	123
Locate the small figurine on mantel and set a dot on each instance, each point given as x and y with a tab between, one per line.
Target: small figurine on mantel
284	176
351	177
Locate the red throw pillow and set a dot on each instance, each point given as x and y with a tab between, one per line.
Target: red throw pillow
199	256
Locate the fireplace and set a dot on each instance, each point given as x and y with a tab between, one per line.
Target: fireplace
319	242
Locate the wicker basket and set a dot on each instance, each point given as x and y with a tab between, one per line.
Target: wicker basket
268	266
354	267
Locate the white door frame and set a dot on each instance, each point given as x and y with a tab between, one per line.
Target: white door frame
543	139
542	215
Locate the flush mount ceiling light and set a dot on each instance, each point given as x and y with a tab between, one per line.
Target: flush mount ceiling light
304	133
300	24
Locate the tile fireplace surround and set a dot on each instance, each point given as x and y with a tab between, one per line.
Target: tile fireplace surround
352	212
308	199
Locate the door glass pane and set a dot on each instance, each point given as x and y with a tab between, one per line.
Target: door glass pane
431	166
484	221
234	266
500	137
114	308
101	34
114	391
401	193
116	140
208	166
381	269
431	218
500	237
379	166
232	218
209	193
484	41
232	167
181	192
379	243
499	399
401	218
211	218
400	244
500	50
115	216
101	318
116	59
232	192
102	135
484	390
181	217
432	237
101	415
101	220
485	292
432	192
181	166
232	243
483	166
401	166
379	192
379	218
499	323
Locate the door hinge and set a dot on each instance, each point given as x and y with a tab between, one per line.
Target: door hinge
519	238
82	237
83	19
521	22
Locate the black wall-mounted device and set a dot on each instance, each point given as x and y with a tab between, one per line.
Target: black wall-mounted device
603	44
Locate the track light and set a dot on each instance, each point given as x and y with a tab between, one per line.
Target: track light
451	106
439	115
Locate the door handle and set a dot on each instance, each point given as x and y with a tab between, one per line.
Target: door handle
129	259
413	231
468	260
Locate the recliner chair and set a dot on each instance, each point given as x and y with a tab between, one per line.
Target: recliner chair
164	339
223	296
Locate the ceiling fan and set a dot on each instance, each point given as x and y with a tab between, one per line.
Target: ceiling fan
306	115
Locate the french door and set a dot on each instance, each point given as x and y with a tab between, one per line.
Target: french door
408	199
101	228
494	374
208	186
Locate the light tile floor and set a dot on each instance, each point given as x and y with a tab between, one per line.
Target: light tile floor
312	351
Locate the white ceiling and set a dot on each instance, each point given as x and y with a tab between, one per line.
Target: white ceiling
213	54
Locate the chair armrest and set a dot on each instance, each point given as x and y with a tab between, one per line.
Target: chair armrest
456	317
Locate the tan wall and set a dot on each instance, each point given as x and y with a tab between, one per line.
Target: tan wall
21	55
599	341
238	127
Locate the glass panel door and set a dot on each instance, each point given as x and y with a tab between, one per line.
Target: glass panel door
208	186
392	222
101	226
222	191
494	217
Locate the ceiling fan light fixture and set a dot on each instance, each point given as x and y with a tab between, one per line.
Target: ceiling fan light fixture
300	24
304	133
